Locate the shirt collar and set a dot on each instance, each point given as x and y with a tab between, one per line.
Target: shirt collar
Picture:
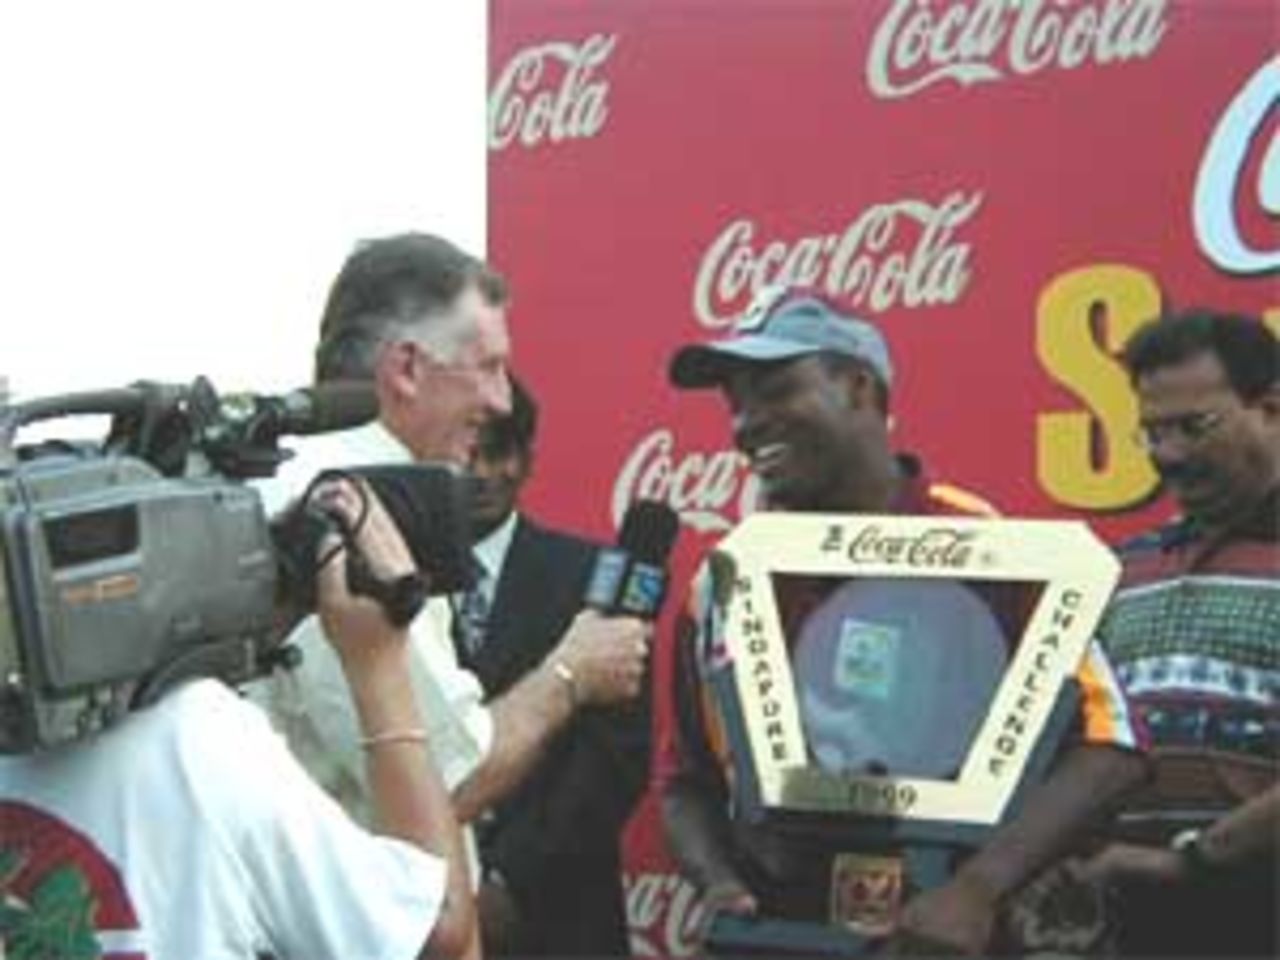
360	446
491	550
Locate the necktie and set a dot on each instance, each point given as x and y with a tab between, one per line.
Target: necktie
474	610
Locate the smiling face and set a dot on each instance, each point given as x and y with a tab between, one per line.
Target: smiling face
810	430
448	385
1218	453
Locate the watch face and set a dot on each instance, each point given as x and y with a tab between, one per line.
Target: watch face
1186	841
1183	839
1187	845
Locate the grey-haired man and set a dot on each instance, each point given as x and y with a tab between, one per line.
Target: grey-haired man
425	323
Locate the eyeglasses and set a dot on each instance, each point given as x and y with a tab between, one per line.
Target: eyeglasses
1189	428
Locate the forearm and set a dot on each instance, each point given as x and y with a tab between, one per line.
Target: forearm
698	835
525	720
409	799
1084	787
1247	831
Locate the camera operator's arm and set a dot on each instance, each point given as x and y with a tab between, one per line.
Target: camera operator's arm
409	797
600	660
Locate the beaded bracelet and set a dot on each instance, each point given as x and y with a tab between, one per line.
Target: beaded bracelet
411	735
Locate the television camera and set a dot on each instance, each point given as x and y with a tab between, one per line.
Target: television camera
131	563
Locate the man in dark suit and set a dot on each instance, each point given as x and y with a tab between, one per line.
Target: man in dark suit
550	852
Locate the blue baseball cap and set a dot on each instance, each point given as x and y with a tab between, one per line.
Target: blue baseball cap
782	323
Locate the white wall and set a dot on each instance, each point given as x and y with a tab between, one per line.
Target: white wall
179	181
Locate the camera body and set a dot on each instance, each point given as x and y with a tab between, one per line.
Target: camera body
124	570
111	571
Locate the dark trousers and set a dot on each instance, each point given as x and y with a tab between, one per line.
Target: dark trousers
1229	914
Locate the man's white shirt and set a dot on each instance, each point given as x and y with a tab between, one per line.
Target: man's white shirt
311	704
491	553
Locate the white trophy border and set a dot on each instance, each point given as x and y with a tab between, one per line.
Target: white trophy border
1078	573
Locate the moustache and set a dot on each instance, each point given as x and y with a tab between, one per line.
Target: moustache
1184	472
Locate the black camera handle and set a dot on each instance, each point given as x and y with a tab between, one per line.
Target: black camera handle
401	598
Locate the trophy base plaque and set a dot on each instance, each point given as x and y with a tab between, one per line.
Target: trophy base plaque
730	935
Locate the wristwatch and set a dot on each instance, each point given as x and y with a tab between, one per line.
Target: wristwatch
1187	844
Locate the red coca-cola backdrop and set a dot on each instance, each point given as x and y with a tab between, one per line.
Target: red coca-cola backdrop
1008	187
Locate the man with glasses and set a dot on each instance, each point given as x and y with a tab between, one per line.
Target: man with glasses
1194	632
425	323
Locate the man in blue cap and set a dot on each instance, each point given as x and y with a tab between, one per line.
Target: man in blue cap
808	390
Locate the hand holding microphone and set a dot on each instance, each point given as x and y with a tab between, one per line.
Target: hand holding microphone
602	659
604	654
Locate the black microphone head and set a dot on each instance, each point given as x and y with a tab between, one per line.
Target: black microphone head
331	405
649	531
631	578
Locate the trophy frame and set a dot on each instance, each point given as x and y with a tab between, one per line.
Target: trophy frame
775	778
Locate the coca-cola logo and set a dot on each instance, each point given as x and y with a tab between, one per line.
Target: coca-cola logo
1218	231
920	43
935	547
710	491
551	92
664	915
903	253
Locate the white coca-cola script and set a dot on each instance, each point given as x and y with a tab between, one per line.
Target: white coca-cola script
551	92
920	43
1218	183
663	914
710	491
905	253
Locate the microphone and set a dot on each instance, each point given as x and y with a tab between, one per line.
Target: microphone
334	405
262	418
329	406
161	422
631	578
238	432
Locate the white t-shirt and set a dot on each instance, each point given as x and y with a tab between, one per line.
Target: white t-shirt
312	705
188	832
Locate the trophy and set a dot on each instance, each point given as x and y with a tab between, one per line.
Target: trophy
890	687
